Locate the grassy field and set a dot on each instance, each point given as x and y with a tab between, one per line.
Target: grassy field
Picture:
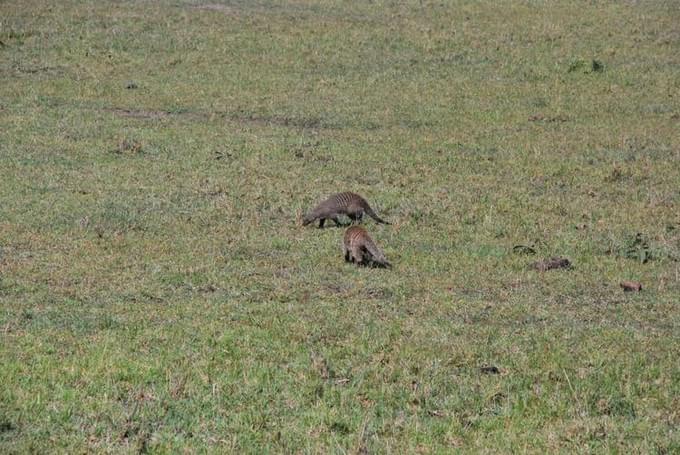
157	292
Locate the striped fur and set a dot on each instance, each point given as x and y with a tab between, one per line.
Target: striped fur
347	203
358	247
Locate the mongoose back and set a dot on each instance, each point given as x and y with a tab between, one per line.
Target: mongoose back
358	247
347	203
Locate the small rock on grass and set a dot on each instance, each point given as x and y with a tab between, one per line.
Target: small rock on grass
631	286
490	369
523	249
551	263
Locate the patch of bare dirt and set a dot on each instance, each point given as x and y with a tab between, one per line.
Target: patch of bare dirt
276	120
547	118
551	263
216	7
139	113
128	146
239	117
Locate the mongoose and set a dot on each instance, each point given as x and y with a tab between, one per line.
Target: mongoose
347	203
358	247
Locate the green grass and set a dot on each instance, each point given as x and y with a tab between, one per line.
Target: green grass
157	292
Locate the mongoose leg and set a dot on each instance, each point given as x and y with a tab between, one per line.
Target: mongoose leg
357	255
347	256
321	222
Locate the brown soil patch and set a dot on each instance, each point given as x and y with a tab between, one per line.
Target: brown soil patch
551	263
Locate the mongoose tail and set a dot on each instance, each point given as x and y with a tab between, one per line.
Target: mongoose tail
378	258
373	215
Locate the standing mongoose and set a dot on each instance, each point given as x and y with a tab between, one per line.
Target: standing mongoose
358	247
347	203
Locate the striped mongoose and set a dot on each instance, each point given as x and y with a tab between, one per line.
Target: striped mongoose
347	203
358	247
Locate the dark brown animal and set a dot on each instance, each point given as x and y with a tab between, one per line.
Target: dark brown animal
358	247
631	286
347	203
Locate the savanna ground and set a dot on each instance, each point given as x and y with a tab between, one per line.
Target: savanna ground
158	293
